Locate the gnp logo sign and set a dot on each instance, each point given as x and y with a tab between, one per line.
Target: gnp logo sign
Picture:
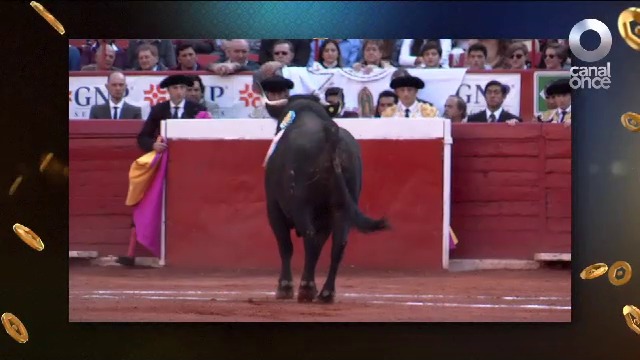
590	77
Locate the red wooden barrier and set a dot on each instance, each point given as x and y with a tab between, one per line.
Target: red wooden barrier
511	188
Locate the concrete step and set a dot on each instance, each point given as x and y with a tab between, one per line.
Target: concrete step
456	265
552	257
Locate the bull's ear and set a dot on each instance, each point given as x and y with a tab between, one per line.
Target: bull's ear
332	110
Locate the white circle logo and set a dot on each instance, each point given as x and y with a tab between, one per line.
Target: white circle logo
605	40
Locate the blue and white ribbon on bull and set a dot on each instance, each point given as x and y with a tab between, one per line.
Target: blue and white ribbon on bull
288	120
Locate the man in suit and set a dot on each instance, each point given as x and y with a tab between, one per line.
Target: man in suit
116	107
335	96
409	106
560	93
495	93
176	108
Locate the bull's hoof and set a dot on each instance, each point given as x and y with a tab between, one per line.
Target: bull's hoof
327	297
285	290
307	292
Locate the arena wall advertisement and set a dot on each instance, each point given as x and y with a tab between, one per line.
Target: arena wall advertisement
235	98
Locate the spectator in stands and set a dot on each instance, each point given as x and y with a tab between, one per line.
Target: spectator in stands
455	109
300	50
330	56
477	57
236	51
430	56
187	58
410	51
406	87
560	91
390	49
74	58
105	56
283	52
148	59
348	51
335	96
517	54
386	99
200	46
495	93
195	93
555	56
165	52
116	107
496	51
178	107
372	57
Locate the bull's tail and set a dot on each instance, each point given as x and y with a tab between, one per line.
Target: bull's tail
361	221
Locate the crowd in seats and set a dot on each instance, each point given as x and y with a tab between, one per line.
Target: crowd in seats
539	53
266	58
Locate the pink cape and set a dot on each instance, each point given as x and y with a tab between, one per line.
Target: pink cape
147	213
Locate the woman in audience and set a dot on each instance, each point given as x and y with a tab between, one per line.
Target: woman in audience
517	56
372	55
330	56
555	56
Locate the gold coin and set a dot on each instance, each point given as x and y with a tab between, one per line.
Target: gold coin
631	121
47	16
28	236
594	271
14	328
626	20
632	317
45	162
620	273
15	185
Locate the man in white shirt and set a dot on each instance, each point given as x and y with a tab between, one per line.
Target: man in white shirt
406	87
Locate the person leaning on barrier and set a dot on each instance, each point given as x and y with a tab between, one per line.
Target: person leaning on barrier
560	93
177	107
276	88
495	93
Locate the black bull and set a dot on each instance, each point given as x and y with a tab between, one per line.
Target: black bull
313	182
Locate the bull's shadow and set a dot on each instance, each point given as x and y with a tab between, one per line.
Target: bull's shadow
313	182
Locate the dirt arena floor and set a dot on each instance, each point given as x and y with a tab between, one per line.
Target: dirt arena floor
115	294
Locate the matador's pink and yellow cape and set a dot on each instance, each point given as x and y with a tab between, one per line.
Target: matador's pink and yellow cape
146	179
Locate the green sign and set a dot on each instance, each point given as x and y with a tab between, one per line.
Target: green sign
540	81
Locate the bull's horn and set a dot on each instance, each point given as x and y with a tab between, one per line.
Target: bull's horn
280	102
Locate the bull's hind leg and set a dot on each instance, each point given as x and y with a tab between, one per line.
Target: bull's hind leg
338	245
312	249
282	233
